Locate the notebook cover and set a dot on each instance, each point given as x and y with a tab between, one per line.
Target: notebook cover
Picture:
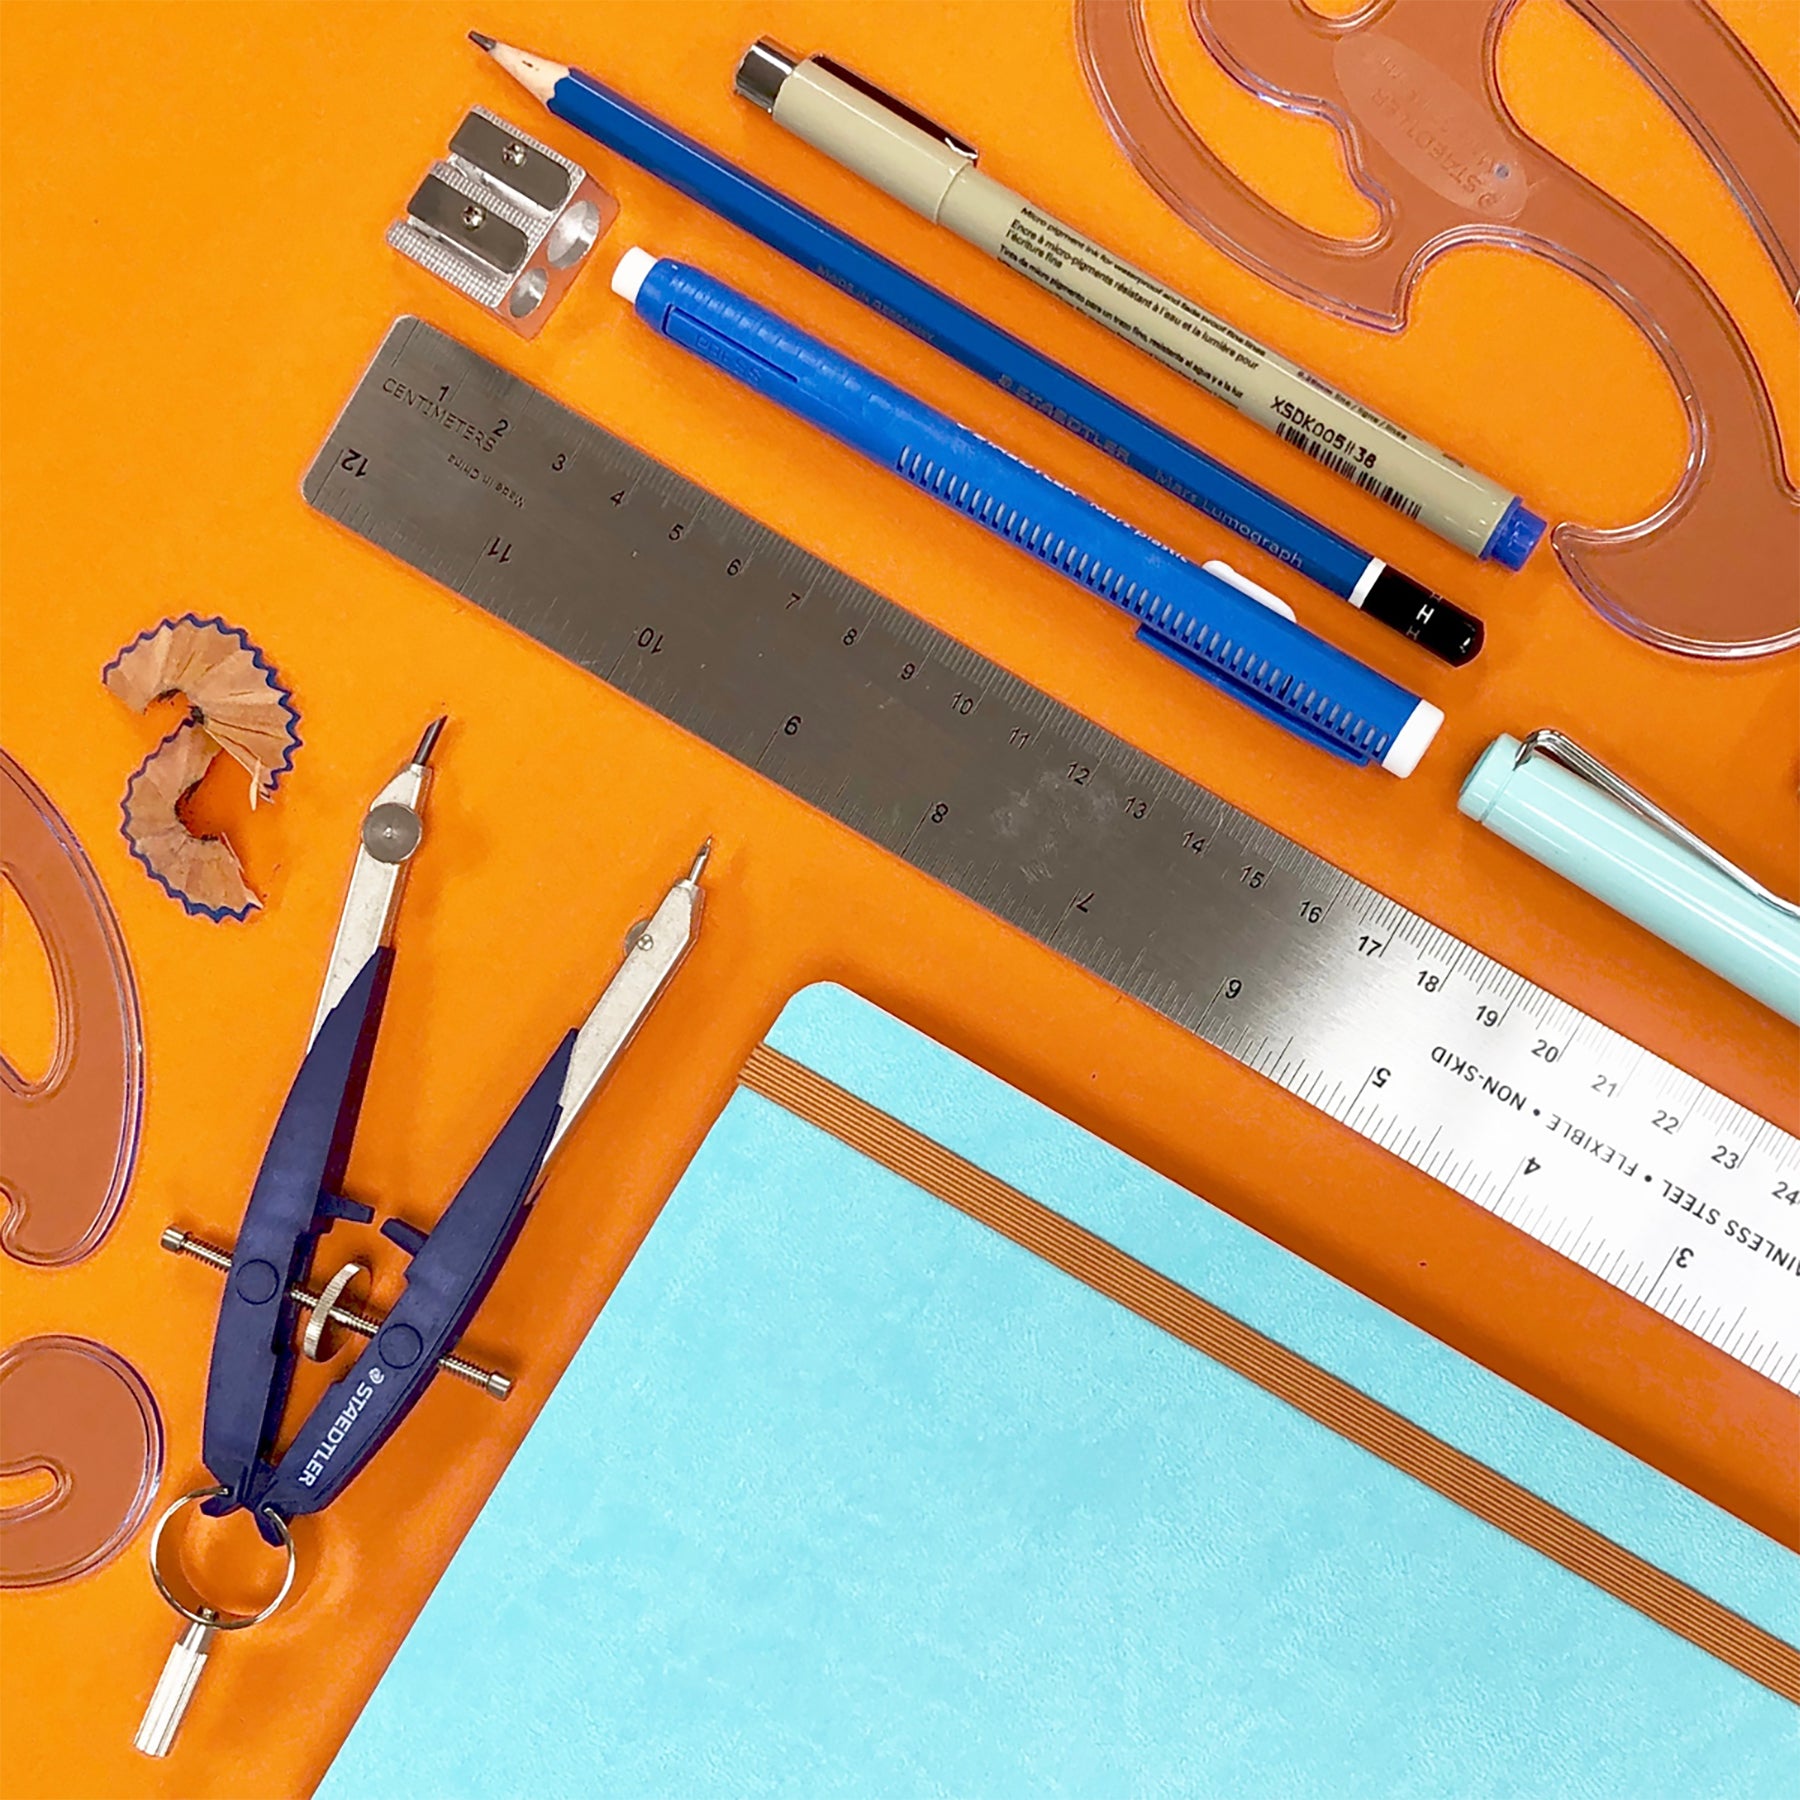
846	1493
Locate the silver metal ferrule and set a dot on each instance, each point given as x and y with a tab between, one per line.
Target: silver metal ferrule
764	68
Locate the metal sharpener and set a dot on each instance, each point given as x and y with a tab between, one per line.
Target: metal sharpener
505	220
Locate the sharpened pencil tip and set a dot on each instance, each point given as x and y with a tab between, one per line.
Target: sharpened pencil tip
482	41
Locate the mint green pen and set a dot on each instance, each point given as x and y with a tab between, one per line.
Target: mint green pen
1554	801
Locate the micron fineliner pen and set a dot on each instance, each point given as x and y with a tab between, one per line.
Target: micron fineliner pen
931	170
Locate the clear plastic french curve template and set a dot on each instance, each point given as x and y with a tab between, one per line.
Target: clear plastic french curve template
1710	571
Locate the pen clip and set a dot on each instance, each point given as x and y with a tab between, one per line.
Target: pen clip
1589	768
899	108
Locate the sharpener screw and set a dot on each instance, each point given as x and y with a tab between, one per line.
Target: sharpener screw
473	216
514	154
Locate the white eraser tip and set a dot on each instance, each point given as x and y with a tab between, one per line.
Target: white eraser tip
1412	740
628	275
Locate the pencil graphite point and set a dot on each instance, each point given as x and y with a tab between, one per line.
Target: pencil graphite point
537	75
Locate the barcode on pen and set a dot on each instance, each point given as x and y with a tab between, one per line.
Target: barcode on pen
1399	500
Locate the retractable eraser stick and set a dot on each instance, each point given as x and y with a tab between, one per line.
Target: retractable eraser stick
1271	523
926	167
1044	821
1221	629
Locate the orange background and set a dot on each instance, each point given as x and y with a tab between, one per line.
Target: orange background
194	277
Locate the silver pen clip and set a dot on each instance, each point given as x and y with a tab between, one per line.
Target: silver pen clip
766	66
1589	768
899	108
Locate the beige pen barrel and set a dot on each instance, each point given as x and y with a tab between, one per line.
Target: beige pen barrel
925	167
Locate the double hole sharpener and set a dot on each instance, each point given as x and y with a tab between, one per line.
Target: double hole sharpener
505	220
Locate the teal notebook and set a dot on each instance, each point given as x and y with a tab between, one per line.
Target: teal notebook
846	1493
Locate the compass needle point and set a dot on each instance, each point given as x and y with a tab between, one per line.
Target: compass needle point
428	743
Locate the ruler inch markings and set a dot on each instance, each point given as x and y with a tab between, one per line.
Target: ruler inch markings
1058	827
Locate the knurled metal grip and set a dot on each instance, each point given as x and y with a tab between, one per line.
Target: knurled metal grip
505	220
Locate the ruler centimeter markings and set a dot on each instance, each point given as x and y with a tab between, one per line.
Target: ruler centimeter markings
1623	1163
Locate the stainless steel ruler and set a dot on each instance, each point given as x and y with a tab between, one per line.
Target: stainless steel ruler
1520	1103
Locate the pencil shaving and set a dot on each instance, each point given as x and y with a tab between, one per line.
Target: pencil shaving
235	706
227	682
203	873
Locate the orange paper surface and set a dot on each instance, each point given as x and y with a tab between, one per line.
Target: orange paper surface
193	200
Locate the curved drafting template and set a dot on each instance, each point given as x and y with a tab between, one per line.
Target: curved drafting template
1413	91
68	1138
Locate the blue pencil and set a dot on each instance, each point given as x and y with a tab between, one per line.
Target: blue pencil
737	196
1202	622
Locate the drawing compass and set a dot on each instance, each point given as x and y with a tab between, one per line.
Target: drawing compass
269	1317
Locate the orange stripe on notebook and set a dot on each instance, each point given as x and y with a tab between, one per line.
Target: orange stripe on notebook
1318	1393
